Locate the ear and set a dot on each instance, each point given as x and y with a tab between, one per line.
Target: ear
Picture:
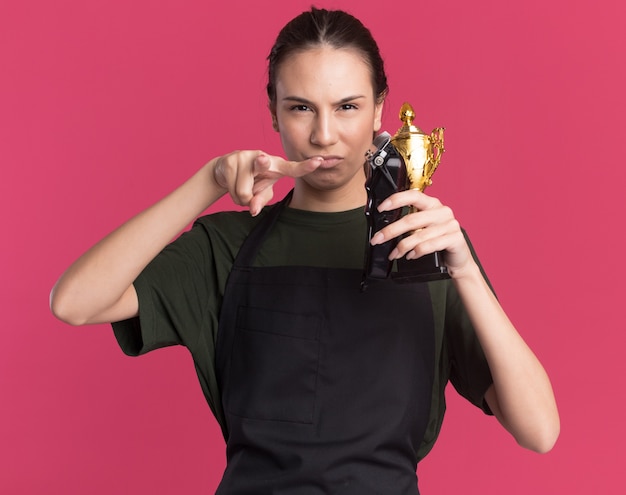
378	115
274	119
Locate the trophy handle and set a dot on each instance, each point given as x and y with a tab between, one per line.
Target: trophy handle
433	154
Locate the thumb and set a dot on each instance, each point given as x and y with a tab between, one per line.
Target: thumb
260	199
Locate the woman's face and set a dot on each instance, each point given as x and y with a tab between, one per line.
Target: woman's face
325	106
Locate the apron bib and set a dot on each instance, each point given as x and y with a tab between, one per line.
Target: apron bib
326	389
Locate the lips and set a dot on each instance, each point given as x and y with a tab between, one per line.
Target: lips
330	161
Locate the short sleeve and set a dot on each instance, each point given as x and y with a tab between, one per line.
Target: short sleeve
180	294
174	293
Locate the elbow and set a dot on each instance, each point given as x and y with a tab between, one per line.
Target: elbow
544	439
536	427
549	440
63	310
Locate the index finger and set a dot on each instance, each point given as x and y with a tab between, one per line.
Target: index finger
295	169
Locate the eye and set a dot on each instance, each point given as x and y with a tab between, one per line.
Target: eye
299	108
348	106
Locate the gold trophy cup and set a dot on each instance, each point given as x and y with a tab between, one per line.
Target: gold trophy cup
421	152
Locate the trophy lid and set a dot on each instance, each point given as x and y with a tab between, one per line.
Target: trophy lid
407	115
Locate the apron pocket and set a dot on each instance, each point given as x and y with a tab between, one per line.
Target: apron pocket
274	365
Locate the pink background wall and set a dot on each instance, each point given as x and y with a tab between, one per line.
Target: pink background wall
107	105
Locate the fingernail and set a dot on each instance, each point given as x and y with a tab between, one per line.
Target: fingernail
384	205
394	254
377	239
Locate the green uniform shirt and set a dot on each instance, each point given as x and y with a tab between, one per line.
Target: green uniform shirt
180	294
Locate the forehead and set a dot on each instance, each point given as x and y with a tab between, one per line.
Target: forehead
324	70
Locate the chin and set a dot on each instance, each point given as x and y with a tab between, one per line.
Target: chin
331	180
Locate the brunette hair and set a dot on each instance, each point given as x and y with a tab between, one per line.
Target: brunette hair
334	28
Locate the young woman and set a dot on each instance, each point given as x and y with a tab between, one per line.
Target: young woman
318	386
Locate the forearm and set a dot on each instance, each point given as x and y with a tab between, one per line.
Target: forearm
521	397
95	283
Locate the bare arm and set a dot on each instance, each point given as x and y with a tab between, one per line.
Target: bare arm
521	396
98	286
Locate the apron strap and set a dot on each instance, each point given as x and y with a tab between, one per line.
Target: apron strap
248	250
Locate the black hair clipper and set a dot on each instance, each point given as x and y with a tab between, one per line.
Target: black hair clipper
387	174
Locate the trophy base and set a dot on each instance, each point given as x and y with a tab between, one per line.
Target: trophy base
427	268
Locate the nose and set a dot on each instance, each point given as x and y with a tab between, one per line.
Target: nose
324	131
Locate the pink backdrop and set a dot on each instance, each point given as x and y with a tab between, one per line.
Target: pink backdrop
107	105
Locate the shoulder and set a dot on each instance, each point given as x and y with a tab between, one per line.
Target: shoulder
231	224
222	233
228	221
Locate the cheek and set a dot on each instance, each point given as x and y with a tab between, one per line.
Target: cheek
286	143
291	142
364	133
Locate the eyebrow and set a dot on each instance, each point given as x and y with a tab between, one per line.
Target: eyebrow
343	101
